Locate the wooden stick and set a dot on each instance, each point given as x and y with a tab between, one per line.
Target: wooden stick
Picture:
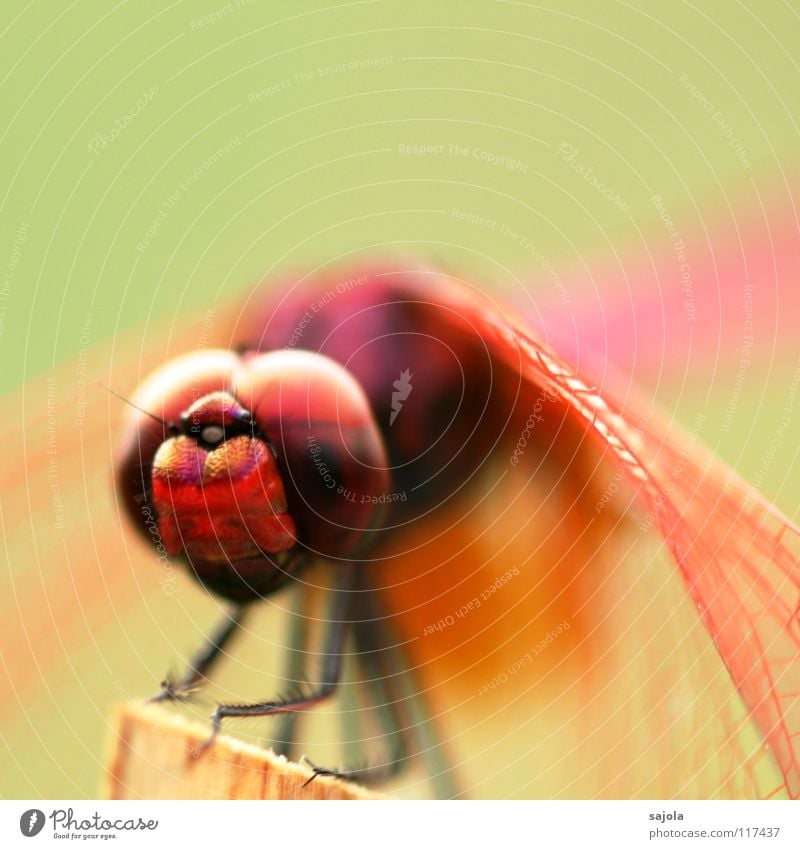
153	754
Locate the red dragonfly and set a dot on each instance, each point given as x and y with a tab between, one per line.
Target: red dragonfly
599	603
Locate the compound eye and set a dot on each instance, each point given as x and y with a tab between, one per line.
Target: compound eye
212	434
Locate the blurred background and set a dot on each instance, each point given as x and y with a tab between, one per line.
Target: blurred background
625	175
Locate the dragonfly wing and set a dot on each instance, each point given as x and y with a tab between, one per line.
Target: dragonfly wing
737	553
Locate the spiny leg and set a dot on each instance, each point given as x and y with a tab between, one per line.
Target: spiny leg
338	624
284	739
374	647
419	724
408	719
385	669
204	660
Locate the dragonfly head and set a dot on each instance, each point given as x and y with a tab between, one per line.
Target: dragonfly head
248	466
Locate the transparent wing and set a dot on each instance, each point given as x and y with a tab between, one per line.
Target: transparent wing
737	554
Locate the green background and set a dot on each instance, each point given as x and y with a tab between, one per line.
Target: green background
318	171
275	138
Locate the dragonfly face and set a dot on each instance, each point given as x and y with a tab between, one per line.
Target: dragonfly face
232	468
219	497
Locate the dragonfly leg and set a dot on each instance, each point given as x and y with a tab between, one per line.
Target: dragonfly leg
402	709
204	660
284	739
373	645
338	623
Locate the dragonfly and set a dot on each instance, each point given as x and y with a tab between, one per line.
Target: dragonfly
571	631
487	515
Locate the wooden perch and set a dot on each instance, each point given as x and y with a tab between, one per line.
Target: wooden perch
153	754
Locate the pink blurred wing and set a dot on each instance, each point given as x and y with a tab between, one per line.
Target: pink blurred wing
732	296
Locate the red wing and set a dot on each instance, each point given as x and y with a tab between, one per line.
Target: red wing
738	554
